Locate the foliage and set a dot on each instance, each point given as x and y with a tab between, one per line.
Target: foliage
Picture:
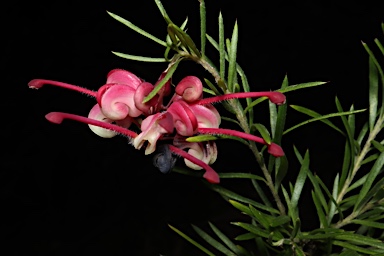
350	213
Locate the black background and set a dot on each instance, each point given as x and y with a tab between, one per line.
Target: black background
65	191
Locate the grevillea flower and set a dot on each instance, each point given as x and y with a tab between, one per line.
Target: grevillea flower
187	113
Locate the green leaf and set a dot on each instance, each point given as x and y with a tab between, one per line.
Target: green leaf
346	164
379	45
202	248
221	46
332	208
372	193
319	209
160	85
253	229
246	88
246	236
162	11
315	115
373	93
291	211
239	175
212	241
379	69
286	89
376	168
137	29
139	58
272	117
360	240
378	145
298	251
349	253
358	183
369	223
324	187
209	91
232	58
281	170
230	120
348	129
208	137
259	217
362	133
261	193
280	221
261	247
315	183
225	239
341	114
302	176
212	87
370	159
243	208
264	133
353	247
296	228
237	197
295	87
377	211
281	115
203	26
351	121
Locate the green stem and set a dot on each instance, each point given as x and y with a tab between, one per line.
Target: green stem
244	125
347	220
372	135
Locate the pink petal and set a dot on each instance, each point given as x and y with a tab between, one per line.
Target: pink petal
190	88
121	76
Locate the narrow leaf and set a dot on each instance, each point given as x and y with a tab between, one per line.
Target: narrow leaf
378	145
239	175
246	236
264	133
211	86
369	223
280	221
252	228
319	209
212	241
243	208
353	247
346	164
261	193
139	58
160	85
221	46
373	92
225	239
300	180
341	114
162	11
137	29
259	217
361	240
203	27
232	59
202	248
237	197
284	90
335	192
376	168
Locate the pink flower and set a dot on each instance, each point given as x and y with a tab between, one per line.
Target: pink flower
120	105
152	128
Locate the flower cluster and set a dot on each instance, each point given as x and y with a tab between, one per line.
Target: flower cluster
186	113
